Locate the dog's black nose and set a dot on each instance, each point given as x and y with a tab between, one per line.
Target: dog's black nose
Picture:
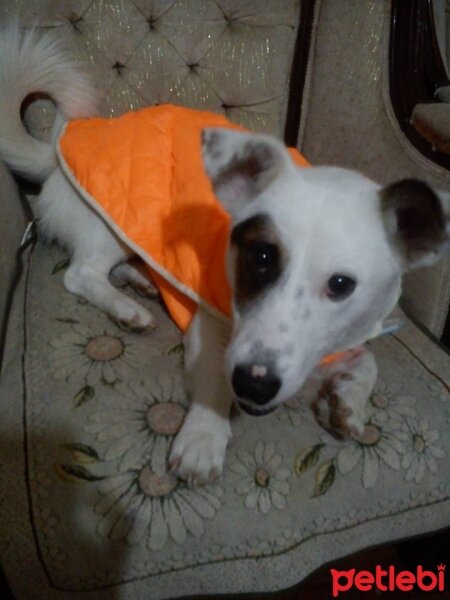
256	383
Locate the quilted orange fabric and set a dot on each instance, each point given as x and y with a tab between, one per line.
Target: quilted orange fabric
143	173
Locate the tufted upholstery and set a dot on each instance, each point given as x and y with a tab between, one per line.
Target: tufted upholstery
228	57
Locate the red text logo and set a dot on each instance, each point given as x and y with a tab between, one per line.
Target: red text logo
388	580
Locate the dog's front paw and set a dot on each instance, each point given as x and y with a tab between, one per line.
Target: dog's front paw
339	407
131	316
198	451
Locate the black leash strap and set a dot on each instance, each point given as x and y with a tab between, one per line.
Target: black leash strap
28	240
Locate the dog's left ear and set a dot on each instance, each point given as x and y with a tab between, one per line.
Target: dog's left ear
241	165
417	220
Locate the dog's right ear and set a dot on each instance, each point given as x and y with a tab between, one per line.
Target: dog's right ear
241	165
417	221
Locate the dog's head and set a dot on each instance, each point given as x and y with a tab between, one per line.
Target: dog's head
315	258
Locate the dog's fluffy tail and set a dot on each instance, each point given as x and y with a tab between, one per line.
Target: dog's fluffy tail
32	63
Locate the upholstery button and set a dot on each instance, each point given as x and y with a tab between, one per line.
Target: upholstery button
118	68
151	22
74	20
229	20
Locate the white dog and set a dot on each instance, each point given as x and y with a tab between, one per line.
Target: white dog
315	261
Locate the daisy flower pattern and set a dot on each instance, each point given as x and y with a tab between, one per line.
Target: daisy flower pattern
374	447
146	506
384	406
140	419
422	450
264	482
95	354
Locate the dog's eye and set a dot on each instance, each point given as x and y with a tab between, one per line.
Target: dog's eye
261	257
340	287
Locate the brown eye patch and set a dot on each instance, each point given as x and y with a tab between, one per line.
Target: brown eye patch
259	258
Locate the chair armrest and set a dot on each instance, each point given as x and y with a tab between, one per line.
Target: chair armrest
426	295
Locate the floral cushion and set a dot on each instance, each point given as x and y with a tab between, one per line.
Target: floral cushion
87	504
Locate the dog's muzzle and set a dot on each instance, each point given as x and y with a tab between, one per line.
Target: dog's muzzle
254	412
254	386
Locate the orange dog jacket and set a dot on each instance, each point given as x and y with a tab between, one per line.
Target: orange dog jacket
143	173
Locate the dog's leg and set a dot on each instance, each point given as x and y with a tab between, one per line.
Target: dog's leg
131	275
198	451
94	248
89	278
342	398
